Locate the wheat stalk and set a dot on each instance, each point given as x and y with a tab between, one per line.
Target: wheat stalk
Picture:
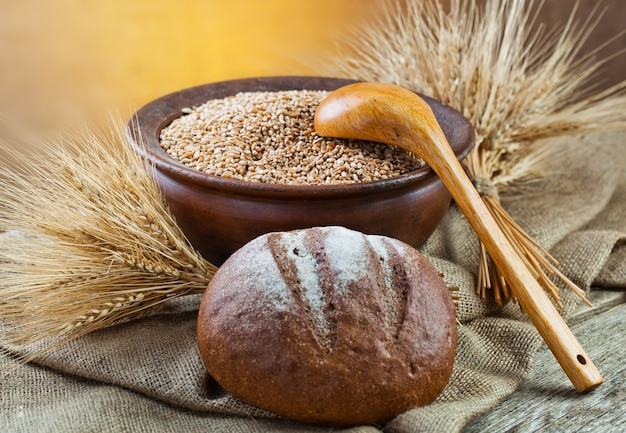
94	243
516	81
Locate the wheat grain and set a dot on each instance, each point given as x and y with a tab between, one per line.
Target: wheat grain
269	137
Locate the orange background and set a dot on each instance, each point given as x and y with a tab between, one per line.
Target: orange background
66	60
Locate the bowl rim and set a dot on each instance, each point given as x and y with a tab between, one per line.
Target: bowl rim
144	127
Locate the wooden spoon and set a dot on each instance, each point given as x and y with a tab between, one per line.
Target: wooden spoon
394	115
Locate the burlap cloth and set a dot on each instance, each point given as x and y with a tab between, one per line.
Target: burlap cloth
146	375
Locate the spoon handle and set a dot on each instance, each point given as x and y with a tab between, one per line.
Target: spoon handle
394	115
531	296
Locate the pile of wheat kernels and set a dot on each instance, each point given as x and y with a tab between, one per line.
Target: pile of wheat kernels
268	137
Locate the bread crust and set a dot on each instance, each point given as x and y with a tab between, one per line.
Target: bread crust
329	326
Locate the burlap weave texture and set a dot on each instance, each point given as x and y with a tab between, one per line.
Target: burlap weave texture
146	375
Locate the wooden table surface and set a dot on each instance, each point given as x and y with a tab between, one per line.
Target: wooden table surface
546	401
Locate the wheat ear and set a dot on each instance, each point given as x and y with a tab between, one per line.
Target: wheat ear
516	81
95	245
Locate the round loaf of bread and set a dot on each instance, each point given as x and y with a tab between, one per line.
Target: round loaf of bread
329	326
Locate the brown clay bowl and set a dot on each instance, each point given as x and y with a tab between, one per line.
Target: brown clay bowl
220	215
